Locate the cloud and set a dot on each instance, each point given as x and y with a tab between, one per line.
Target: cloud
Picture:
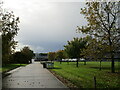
32	47
46	26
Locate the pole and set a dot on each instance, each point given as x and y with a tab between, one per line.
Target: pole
95	82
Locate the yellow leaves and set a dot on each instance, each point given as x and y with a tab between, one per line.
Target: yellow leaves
83	11
95	5
51	55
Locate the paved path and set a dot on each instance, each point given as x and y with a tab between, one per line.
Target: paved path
32	76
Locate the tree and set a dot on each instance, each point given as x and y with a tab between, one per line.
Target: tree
28	53
60	55
51	56
102	20
94	50
74	48
19	57
8	29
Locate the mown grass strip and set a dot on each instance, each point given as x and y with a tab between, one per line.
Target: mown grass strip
83	76
9	67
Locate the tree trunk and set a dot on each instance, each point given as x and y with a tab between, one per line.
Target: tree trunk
111	46
112	58
112	64
100	65
68	62
77	62
60	61
84	62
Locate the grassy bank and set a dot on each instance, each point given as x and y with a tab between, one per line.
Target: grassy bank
9	67
83	76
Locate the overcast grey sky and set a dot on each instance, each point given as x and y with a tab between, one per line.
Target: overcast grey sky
46	26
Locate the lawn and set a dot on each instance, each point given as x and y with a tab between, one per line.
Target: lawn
83	76
10	67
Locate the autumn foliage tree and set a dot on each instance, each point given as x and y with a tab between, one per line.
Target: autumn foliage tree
102	25
60	55
51	56
94	50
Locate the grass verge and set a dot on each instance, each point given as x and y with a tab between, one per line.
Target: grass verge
9	67
83	76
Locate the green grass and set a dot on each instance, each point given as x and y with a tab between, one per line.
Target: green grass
83	75
10	67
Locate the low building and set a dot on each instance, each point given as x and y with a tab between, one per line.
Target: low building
41	57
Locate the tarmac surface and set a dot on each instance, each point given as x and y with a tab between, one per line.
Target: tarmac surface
31	76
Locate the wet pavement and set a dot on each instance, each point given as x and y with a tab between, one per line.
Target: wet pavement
31	76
